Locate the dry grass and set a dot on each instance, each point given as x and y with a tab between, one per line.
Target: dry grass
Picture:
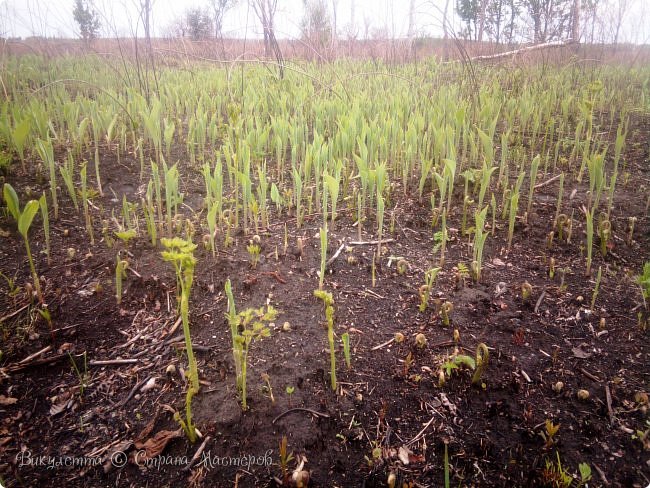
397	51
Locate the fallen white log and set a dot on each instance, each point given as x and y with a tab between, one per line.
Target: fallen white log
525	49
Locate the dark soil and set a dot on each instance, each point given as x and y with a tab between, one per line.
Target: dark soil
387	400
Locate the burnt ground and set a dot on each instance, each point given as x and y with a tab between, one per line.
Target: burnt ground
389	414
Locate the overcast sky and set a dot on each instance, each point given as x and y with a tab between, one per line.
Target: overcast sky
22	18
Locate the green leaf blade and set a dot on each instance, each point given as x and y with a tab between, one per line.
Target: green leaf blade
27	216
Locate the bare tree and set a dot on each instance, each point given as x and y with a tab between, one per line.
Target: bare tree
88	19
149	66
351	30
175	29
367	22
467	10
575	21
619	12
481	19
551	19
445	25
219	9
315	24
265	12
198	24
590	19
411	28
509	28
145	15
335	4
445	30
495	19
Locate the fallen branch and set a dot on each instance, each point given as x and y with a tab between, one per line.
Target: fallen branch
277	275
112	362
608	397
134	272
387	343
300	409
35	355
135	388
370	292
589	375
13	314
175	326
178	338
335	255
197	454
421	433
548	182
602	475
195	347
67	327
536	47
370	243
540	300
38	362
131	341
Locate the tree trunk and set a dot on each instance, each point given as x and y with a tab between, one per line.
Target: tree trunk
538	29
445	53
334	21
575	25
481	20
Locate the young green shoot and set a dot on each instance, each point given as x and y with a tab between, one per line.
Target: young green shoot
46	152
85	196
290	390
630	230
67	173
533	179
285	456
252	325
233	322
254	250
82	376
604	233
526	291
479	242
120	274
45	214
267	383
445	462
443	243
445	312
180	253
425	290
590	238
482	357
596	166
596	288
172	196
558	205
150	214
486	174
19	138
514	206
493	206
345	338
323	256
24	220
551	268
328	301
